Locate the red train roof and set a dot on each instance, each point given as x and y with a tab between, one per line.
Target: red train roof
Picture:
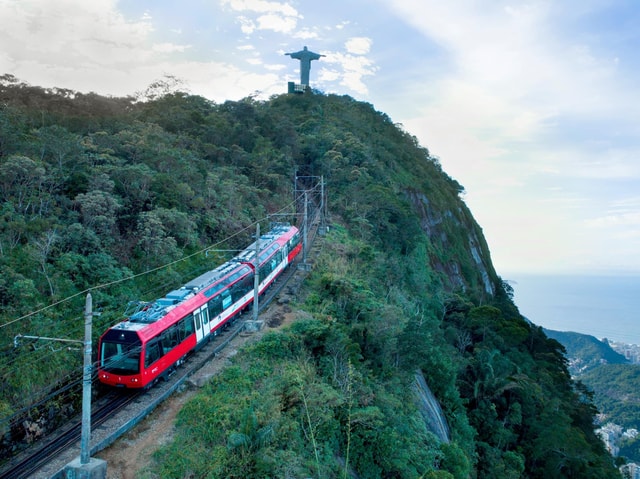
154	317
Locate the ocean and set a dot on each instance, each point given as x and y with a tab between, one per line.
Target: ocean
602	306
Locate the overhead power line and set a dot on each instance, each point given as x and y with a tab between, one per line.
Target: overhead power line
150	271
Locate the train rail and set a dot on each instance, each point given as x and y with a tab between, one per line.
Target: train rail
121	411
26	465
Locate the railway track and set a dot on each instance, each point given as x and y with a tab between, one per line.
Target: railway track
120	411
24	466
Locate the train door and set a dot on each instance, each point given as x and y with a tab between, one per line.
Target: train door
202	324
206	324
197	321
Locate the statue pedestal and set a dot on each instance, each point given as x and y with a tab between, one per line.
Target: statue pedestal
296	88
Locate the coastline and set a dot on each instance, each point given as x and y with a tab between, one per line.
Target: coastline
604	306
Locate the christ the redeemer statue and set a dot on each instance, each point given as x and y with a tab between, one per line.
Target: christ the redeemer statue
305	57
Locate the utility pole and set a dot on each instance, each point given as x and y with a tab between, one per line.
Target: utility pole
305	222
85	466
85	441
323	225
305	227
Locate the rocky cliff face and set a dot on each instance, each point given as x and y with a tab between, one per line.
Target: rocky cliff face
462	255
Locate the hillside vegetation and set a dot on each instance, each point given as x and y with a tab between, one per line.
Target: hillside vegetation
122	197
585	352
614	381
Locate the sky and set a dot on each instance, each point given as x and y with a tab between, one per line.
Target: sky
533	106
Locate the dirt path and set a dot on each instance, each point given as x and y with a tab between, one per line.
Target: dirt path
133	452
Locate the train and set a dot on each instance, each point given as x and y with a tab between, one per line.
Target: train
157	336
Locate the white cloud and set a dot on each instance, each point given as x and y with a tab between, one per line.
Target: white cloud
631	218
220	82
305	34
277	23
275	68
169	48
42	40
247	26
515	55
588	161
273	16
91	46
621	212
262	6
358	45
329	75
354	68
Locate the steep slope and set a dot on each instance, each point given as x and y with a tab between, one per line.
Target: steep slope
404	283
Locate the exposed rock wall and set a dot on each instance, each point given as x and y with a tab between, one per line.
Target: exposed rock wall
438	225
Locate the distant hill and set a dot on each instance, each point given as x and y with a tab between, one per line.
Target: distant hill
616	389
614	381
584	351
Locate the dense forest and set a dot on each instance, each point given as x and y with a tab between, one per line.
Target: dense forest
122	197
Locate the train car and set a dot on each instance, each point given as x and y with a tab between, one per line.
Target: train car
157	336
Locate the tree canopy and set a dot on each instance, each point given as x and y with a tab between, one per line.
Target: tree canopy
95	192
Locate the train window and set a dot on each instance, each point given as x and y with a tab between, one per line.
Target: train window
294	241
180	330
243	287
268	252
153	352
236	291
169	339
188	325
196	316
266	269
120	352
226	299
215	306
213	290
247	284
120	358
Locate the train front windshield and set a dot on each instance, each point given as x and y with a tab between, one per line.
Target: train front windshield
120	352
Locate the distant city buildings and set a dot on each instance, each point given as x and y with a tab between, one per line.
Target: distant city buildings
611	433
630	471
629	351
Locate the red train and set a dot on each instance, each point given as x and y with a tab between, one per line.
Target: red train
158	335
